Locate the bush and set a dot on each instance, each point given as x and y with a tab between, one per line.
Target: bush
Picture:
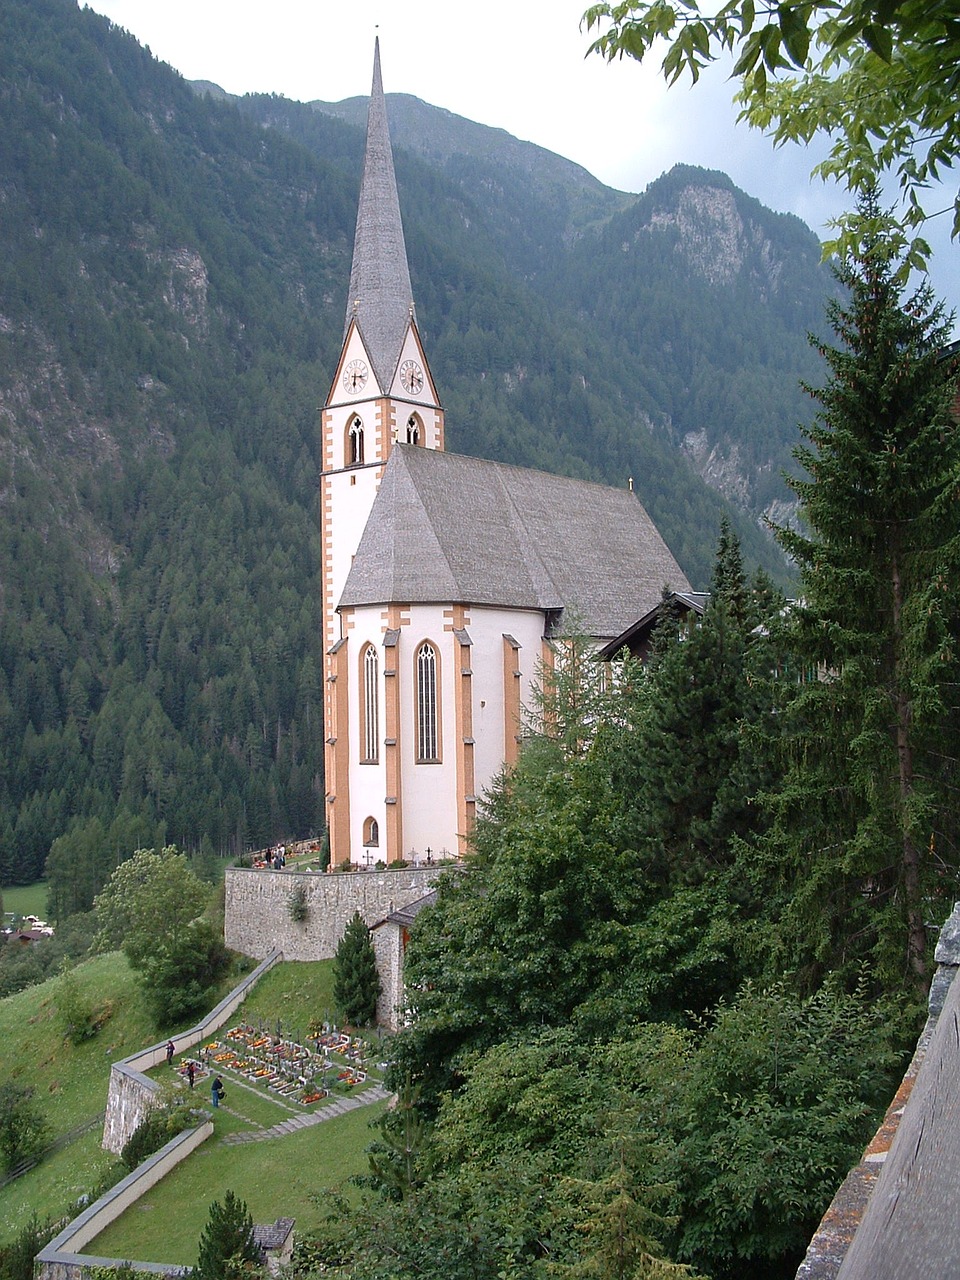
23	1127
16	1258
227	1248
155	1130
77	1015
297	907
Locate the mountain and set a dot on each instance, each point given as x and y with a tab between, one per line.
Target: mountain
691	302
172	293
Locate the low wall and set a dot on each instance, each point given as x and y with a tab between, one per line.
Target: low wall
891	1221
257	910
131	1093
61	1259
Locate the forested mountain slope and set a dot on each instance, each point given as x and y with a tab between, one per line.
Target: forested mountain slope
172	292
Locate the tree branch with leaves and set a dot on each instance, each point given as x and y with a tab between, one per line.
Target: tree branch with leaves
879	77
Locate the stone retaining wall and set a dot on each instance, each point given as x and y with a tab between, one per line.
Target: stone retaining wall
257	911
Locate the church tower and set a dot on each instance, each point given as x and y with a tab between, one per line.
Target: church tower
382	393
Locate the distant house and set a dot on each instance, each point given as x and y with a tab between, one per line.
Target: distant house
635	640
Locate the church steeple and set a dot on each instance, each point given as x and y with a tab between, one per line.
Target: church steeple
380	298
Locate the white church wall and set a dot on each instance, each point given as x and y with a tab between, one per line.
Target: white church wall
430	790
367	781
351	497
487	628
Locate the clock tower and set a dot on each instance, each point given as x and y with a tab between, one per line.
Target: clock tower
382	393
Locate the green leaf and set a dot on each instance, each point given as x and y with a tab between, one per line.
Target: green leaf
879	40
795	33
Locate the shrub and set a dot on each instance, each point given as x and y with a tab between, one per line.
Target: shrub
297	907
227	1247
158	1126
23	1127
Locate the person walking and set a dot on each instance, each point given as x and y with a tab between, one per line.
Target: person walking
216	1091
171	1050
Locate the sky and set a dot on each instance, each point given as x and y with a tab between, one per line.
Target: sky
519	65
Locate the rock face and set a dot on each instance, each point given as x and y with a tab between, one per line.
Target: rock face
714	239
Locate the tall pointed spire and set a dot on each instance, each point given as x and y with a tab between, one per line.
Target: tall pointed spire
381	298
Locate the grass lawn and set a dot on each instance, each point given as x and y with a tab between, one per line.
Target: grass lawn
69	1081
26	899
276	1177
281	1177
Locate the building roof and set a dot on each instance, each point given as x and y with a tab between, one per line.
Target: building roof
273	1235
381	297
637	635
485	533
405	916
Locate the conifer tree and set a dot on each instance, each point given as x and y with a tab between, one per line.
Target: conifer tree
356	984
227	1247
864	819
696	775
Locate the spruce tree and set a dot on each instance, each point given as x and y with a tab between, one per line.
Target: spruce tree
865	827
356	984
227	1247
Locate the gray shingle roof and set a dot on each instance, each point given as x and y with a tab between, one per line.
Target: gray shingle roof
447	528
380	295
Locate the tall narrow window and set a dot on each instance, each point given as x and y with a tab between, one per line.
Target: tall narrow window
413	429
428	732
371	706
355	452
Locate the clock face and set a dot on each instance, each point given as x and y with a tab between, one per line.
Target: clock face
355	376
411	375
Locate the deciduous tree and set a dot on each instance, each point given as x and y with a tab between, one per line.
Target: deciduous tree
880	77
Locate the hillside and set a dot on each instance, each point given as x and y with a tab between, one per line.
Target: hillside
171	303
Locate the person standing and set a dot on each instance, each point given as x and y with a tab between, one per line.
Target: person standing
216	1091
170	1052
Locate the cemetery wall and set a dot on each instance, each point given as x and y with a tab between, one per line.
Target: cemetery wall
257	914
131	1093
61	1259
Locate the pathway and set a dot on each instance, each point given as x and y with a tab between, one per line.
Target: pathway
376	1093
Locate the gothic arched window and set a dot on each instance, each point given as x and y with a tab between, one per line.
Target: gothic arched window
414	430
428	704
371	832
355	443
370	706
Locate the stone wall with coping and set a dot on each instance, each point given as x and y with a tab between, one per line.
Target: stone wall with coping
388	948
835	1251
132	1093
62	1258
257	909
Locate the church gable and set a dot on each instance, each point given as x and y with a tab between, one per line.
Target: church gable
412	380
355	378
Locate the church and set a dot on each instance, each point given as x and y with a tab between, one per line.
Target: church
448	582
